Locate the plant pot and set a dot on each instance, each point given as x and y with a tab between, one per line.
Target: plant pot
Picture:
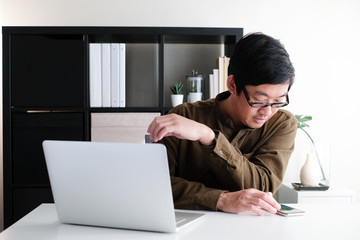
177	99
195	96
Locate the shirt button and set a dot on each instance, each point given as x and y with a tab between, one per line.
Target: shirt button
221	152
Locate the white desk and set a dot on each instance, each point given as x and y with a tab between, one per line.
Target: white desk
322	221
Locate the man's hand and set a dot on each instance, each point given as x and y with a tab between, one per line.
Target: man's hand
247	200
180	127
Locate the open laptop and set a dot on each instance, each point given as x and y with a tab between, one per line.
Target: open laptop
119	185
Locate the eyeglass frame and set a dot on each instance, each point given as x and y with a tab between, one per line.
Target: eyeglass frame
264	105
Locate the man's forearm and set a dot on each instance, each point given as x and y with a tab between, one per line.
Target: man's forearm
194	195
207	137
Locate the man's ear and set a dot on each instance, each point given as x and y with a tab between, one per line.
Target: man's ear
231	84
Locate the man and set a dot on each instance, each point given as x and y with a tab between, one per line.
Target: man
231	152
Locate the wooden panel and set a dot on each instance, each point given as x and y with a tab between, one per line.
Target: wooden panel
120	127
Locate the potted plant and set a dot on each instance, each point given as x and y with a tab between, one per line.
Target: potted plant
176	97
308	166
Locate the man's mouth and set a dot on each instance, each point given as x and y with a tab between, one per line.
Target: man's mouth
260	119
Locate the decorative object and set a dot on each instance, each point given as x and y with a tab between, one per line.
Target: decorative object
177	97
195	87
309	176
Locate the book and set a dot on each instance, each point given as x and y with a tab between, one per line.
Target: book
216	81
95	75
105	70
115	74
222	64
211	86
221	74
122	74
226	65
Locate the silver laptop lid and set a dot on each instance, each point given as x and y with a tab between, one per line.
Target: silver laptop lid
121	185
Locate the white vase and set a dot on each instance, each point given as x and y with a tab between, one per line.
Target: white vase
177	99
309	173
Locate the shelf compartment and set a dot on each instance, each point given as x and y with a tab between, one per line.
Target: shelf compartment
47	70
142	75
180	59
29	130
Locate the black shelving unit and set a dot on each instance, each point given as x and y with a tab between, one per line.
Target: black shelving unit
46	90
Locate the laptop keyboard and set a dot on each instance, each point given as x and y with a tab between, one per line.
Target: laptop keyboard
179	220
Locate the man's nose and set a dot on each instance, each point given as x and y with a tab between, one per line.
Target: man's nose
266	111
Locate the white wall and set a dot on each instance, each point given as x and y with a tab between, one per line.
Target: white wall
322	37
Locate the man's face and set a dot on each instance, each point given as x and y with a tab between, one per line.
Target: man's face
252	117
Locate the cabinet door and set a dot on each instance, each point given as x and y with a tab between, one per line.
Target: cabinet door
47	71
27	199
29	131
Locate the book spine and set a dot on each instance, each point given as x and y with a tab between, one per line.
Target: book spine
221	74
115	75
122	74
95	75
226	65
105	63
216	81
211	86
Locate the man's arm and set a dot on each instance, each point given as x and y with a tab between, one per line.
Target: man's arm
263	168
180	127
185	191
247	200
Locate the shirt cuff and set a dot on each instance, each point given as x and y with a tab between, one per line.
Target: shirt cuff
224	149
208	199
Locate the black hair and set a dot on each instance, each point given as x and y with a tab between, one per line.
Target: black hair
260	59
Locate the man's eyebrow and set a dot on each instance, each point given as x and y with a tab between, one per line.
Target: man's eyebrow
265	94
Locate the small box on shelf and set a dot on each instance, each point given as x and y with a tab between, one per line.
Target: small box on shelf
288	194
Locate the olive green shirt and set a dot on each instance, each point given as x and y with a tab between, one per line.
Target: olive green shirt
241	158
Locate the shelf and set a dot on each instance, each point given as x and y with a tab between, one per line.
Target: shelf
46	90
88	109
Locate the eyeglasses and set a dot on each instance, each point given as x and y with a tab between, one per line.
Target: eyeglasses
262	104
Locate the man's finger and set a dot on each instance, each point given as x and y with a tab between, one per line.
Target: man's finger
267	197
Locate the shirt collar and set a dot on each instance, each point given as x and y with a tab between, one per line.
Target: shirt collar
224	117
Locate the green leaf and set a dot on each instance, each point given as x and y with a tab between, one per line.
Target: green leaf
302	118
302	125
176	88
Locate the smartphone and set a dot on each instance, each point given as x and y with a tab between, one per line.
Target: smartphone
288	211
148	139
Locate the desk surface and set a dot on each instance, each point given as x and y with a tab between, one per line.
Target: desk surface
321	221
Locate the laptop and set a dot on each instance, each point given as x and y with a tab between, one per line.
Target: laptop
117	185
